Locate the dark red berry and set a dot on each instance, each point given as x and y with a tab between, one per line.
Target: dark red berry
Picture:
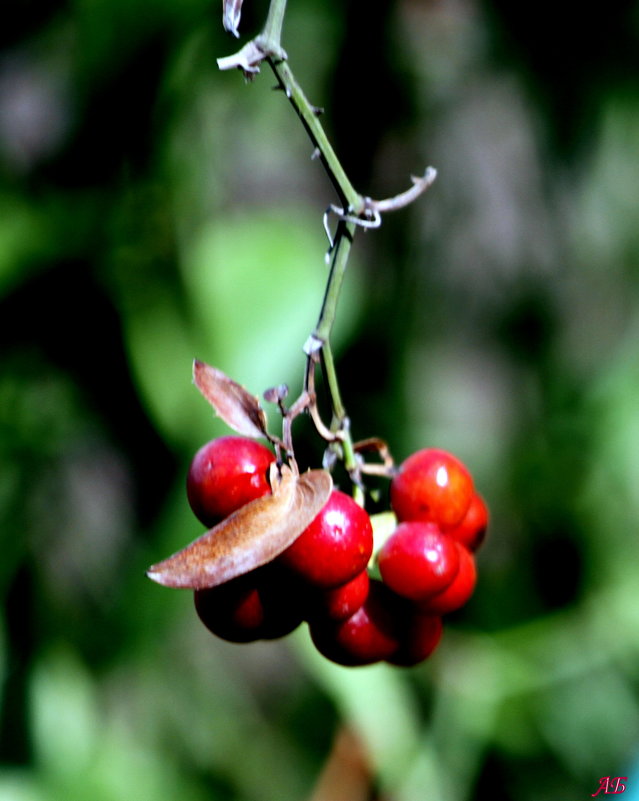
226	474
471	532
459	591
431	485
420	635
418	560
366	637
251	607
335	547
340	602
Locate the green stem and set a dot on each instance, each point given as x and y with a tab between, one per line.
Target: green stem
328	366
341	251
340	420
308	114
353	203
271	36
322	332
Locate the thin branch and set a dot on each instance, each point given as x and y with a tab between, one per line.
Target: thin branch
270	40
323	149
355	212
420	185
247	59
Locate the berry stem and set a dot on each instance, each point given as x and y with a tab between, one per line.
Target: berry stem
355	211
340	252
322	332
308	114
271	35
340	249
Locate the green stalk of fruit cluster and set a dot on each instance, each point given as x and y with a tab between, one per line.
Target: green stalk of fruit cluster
321	334
270	43
309	116
271	36
355	211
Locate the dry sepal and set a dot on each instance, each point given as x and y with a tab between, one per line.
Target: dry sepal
240	410
250	537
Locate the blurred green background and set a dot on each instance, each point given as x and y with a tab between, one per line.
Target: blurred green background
153	210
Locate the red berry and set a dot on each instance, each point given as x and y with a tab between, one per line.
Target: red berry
431	485
251	607
335	547
366	637
459	592
340	602
226	474
420	636
471	532
418	560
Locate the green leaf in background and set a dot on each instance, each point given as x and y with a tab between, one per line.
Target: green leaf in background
253	283
24	235
376	702
85	751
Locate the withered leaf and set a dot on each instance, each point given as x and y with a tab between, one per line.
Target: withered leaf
231	13
235	405
252	536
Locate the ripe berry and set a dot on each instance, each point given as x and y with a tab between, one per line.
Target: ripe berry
471	532
431	485
459	591
420	635
340	602
335	547
251	607
366	637
418	560
226	474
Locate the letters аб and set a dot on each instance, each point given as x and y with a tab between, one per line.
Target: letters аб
611	786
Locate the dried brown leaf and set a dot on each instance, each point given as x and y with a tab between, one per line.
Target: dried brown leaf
252	536
235	405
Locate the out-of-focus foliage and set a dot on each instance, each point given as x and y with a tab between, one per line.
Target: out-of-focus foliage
153	210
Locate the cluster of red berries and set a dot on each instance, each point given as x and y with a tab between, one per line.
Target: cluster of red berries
426	566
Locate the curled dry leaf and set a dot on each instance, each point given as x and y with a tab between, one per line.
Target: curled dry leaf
235	405
231	13
252	536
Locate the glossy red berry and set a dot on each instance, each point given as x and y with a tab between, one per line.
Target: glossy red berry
418	560
471	532
459	591
431	485
340	602
420	635
366	637
226	474
335	547
251	607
